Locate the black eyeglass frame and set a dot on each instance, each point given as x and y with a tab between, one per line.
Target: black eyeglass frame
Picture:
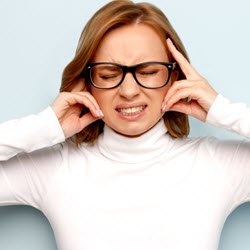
132	69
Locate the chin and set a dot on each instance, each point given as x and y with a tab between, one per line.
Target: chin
132	128
133	132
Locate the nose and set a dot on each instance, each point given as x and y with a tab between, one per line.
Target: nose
129	87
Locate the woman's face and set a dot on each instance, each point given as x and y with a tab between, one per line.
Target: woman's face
130	109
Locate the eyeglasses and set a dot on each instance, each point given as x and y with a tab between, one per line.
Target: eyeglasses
150	75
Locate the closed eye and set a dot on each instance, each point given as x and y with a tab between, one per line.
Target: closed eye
106	77
148	72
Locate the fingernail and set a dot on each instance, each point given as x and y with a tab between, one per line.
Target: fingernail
170	41
163	107
100	113
96	113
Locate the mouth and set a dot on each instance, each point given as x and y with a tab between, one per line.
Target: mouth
131	111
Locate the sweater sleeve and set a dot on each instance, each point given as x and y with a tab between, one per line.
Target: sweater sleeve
231	116
29	133
232	156
29	158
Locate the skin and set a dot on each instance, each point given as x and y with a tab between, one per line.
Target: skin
194	87
130	45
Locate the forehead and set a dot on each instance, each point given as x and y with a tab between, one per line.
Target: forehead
131	44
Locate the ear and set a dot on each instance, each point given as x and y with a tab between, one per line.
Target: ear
79	86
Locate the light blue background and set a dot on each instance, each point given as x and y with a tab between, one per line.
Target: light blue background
37	40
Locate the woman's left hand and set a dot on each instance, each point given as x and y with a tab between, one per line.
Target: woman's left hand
194	88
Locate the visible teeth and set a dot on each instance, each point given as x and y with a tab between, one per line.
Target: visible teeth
131	111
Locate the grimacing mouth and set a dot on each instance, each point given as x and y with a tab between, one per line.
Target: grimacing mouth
131	110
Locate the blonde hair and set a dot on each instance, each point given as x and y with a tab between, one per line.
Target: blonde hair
111	16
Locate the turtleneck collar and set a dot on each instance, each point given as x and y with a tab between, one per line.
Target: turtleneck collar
134	149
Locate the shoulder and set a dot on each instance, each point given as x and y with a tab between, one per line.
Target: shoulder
209	144
196	142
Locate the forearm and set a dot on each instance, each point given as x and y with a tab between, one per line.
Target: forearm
29	133
231	116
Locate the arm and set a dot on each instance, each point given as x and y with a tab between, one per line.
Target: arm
232	158
231	116
29	133
204	102
55	124
26	178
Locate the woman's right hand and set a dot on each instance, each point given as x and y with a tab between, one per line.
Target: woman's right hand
68	106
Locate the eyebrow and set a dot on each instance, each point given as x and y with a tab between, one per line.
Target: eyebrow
108	67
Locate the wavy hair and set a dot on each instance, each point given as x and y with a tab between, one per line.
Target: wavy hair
111	16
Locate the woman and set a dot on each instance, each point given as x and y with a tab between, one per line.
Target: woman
109	163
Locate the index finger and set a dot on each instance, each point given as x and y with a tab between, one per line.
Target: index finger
185	66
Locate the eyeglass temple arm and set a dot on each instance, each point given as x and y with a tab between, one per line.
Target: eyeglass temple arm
175	65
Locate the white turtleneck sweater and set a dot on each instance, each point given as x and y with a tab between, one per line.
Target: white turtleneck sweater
151	192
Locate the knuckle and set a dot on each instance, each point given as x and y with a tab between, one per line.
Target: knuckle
177	85
64	94
203	82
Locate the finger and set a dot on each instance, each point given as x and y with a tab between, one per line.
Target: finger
176	86
87	119
75	126
90	97
91	104
73	98
190	108
180	95
185	66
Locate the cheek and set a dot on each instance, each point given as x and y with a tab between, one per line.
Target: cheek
97	97
103	98
159	96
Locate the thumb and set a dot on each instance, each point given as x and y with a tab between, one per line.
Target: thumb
190	108
180	107
87	119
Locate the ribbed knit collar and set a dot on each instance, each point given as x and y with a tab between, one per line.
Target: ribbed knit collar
137	149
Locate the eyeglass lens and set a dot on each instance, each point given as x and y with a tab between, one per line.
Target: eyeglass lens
149	75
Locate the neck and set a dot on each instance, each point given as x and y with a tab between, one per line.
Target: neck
127	149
